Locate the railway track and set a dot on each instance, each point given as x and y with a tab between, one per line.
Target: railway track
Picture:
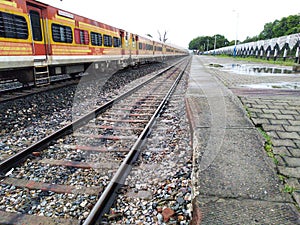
31	118
73	175
9	94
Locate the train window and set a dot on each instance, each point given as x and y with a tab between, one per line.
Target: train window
117	42
13	26
159	49
35	25
107	40
140	46
149	47
62	33
96	39
81	36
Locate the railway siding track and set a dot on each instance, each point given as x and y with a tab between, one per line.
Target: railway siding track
21	92
74	174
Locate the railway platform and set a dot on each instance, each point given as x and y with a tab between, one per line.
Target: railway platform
234	179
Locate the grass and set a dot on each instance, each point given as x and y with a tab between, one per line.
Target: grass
281	177
268	145
288	189
247	110
268	142
268	148
258	60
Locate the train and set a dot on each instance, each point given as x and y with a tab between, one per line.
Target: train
38	40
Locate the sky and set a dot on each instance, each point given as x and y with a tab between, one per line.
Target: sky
184	20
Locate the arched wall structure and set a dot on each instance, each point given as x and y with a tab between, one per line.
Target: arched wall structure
264	48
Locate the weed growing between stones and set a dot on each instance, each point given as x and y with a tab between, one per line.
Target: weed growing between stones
268	145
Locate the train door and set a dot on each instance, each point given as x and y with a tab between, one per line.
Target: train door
40	69
37	31
133	44
137	44
129	43
153	48
122	36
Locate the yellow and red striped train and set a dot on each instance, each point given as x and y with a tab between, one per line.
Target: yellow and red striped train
36	38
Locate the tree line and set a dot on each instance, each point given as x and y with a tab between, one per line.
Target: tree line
285	26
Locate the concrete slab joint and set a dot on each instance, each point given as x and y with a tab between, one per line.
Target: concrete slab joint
234	181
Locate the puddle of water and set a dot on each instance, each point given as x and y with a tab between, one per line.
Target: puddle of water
259	71
215	65
283	85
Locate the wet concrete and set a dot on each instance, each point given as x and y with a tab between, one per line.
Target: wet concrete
255	70
282	85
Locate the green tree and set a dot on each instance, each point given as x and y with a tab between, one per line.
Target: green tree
204	43
285	26
279	27
267	32
251	39
221	41
195	44
293	24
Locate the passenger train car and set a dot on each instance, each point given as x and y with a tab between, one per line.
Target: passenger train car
38	40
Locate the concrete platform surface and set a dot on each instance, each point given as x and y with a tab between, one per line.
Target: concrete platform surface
234	180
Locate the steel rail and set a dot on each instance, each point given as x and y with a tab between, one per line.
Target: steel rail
17	158
22	92
108	196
